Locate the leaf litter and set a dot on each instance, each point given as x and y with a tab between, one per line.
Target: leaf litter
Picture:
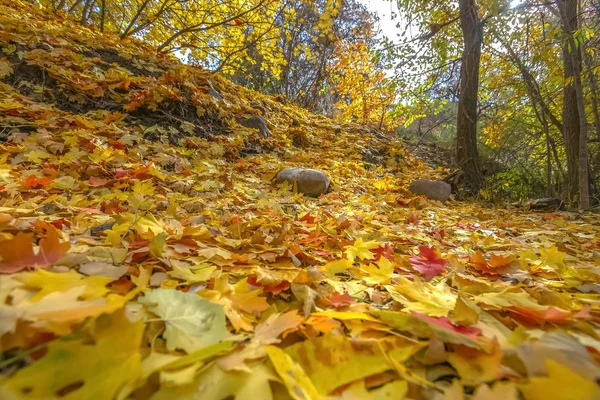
146	255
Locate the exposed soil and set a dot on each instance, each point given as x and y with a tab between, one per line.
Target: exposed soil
110	56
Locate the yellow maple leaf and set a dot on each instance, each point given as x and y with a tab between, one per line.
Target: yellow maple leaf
294	378
331	361
37	156
552	257
378	274
337	266
560	384
201	273
241	303
50	282
361	250
91	369
5	69
479	368
100	155
143	188
143	279
146	226
498	391
157	244
422	297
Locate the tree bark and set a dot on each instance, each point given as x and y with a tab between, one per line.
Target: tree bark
85	14
593	91
466	123
570	115
575	57
73	6
102	14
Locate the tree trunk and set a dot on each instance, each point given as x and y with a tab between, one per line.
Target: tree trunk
466	123
570	115
576	64
548	165
134	20
593	91
102	14
73	6
85	14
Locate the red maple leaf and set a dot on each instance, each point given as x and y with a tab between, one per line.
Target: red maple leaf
271	288
59	223
386	250
121	286
112	207
470	332
117	145
552	315
309	219
429	262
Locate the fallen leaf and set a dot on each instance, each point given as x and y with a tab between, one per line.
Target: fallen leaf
17	253
82	370
299	385
191	321
429	263
361	250
99	268
560	384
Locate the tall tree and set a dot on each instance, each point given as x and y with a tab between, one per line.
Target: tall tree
570	114
466	123
574	103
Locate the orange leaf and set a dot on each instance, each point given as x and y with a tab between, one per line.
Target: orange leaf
339	300
33	182
51	249
17	253
478	259
497	261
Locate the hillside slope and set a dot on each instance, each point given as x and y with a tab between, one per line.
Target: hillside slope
125	176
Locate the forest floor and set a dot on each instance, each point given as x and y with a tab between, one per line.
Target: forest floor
145	251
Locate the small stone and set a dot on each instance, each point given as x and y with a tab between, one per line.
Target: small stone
260	107
215	94
255	122
547	204
433	190
311	182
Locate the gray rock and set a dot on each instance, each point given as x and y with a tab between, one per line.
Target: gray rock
547	204
255	122
434	190
215	94
260	107
311	182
